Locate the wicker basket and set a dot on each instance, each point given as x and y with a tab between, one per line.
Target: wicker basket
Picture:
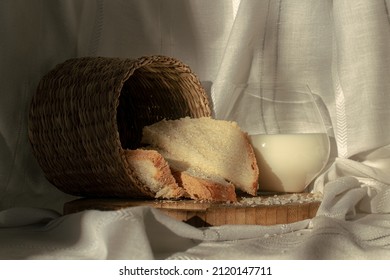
87	111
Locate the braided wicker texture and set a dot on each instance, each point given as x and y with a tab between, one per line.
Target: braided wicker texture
87	111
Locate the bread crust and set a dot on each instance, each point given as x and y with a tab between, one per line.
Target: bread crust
255	168
203	189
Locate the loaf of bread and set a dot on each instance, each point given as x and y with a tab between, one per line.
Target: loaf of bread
209	158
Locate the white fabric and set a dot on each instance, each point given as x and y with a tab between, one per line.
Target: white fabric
339	48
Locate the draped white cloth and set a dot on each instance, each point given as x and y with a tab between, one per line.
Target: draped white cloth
340	48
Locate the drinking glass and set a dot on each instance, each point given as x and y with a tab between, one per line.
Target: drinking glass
287	130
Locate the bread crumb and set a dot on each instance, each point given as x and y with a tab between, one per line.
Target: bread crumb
283	199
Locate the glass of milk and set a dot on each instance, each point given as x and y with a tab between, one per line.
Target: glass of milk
288	134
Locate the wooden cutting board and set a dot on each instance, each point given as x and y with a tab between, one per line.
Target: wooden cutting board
261	210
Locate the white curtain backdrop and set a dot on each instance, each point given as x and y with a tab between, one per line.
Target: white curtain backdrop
340	48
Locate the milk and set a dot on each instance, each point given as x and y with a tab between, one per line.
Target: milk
289	162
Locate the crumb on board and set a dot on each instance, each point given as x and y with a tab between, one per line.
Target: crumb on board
295	198
246	201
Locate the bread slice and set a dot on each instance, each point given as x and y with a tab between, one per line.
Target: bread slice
160	181
154	173
205	188
217	148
